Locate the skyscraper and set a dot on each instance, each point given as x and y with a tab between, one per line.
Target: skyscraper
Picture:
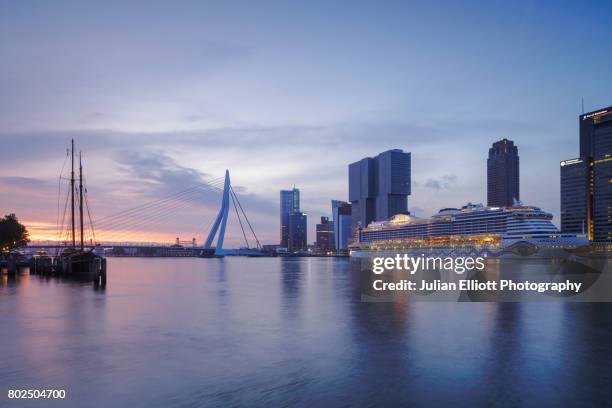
502	174
298	232
325	235
575	196
379	187
596	155
289	203
341	213
362	191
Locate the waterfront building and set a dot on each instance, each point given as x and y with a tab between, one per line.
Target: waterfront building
379	187
273	249
325	235
595	131
575	196
362	192
298	232
596	147
503	174
341	214
335	205
289	203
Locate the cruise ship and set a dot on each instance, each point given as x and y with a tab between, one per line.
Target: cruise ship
520	230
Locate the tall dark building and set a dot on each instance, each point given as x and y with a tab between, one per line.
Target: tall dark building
289	203
596	150
298	232
362	191
341	212
325	235
575	198
503	174
379	187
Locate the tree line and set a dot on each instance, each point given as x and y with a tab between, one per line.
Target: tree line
13	234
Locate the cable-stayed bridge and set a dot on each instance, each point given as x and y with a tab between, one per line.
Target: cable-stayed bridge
220	224
121	233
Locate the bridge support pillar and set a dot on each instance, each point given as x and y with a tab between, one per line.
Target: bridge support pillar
221	220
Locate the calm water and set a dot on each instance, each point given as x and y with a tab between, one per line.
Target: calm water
279	332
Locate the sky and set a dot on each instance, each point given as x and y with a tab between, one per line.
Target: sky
161	96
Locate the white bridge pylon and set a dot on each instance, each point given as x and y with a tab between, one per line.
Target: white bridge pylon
220	221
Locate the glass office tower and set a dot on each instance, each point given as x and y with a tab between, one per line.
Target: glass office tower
596	160
596	148
575	196
289	203
298	235
341	212
379	187
503	174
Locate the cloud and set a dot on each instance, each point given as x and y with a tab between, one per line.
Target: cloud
34	200
443	183
175	196
20	192
159	169
157	174
161	100
126	169
18	182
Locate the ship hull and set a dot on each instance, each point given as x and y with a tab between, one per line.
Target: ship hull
84	266
513	249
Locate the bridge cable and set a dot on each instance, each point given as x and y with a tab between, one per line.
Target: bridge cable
129	219
245	216
133	217
93	232
119	218
240	221
158	214
152	203
130	228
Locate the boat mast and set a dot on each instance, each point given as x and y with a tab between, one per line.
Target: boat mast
81	197
72	192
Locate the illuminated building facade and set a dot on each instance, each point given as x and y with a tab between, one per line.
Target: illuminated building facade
596	161
325	235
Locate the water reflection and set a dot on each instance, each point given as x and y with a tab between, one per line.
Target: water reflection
583	279
278	332
291	275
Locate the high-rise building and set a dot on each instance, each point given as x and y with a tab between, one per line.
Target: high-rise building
341	213
503	174
596	152
289	203
325	235
298	232
362	191
575	196
379	187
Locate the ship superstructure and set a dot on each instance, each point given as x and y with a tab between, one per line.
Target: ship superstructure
472	227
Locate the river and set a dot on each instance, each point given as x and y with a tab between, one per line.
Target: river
289	332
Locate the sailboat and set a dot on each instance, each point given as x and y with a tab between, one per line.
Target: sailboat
77	262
